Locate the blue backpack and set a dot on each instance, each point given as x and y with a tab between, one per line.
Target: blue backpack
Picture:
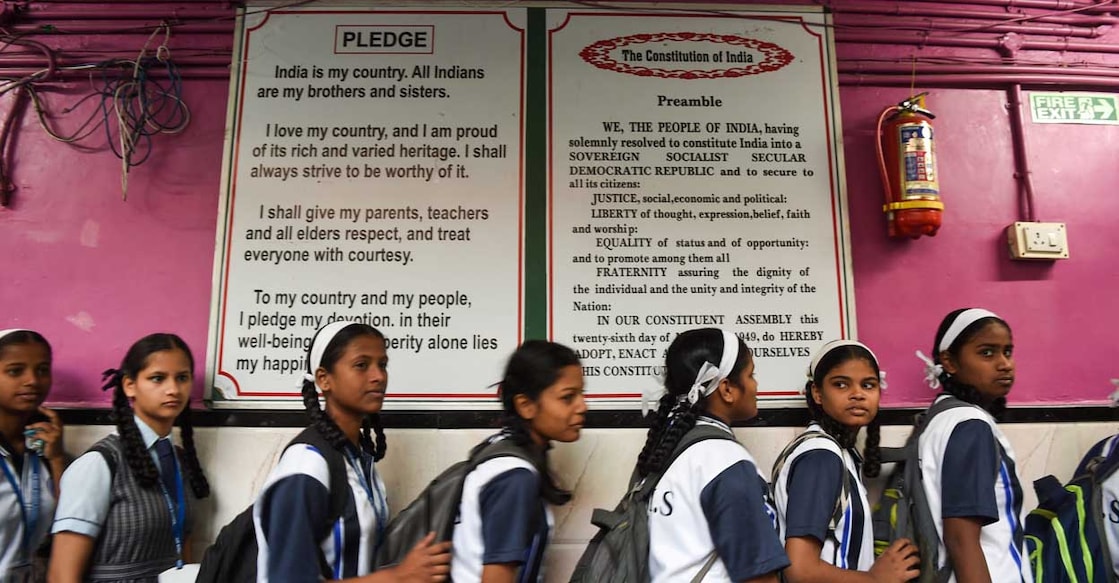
1066	537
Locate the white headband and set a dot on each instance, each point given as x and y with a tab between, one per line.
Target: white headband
709	375
966	318
318	346
830	346
706	380
4	333
963	320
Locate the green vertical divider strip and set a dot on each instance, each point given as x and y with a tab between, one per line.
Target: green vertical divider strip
536	178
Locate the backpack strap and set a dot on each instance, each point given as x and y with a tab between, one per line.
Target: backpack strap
644	488
845	488
893	455
335	463
339	484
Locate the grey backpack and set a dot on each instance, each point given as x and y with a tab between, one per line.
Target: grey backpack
619	553
436	509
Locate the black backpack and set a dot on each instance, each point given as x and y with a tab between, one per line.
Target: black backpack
619	553
233	556
436	509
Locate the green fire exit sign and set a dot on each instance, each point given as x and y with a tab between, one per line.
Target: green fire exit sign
1074	107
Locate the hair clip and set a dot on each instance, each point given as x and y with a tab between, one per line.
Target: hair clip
1115	394
882	380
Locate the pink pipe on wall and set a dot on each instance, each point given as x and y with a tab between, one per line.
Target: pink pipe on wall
1005	44
145	28
11	62
899	9
184	72
895	23
922	69
57	14
975	81
1090	7
1021	159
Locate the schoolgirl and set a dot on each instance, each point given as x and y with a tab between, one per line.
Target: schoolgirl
822	466
30	451
348	364
968	465
505	522
710	509
125	513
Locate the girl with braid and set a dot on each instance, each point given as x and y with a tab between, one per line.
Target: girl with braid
505	522
125	512
348	365
820	473
967	464
710	517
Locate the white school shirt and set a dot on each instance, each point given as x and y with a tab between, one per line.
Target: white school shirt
525	522
851	546
1002	541
349	549
723	474
12	555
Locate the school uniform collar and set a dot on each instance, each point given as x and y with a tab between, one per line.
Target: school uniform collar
717	422
147	433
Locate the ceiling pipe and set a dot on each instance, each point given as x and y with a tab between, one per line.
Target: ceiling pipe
1089	7
974	81
1007	44
920	25
184	72
900	9
922	69
174	14
58	28
14	62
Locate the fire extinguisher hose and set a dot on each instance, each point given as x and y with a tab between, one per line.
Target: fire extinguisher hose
886	186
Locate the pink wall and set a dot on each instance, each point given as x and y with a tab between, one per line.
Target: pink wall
94	273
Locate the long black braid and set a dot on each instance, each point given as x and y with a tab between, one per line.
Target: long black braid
135	452
376	446
675	416
846	436
532	368
951	384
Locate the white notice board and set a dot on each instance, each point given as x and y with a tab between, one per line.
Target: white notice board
696	181
663	170
373	173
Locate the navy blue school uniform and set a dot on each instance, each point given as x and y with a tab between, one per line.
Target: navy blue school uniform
806	490
969	471
713	500
502	520
295	503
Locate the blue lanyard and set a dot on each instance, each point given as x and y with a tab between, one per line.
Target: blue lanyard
30	516
177	512
380	505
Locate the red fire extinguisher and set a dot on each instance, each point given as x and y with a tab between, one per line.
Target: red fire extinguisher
907	164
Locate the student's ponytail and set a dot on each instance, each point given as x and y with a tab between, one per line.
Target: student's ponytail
198	483
689	354
135	453
375	443
319	419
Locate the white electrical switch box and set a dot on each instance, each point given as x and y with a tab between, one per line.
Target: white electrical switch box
1037	241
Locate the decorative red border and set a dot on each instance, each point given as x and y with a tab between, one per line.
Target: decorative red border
233	193
551	153
598	54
